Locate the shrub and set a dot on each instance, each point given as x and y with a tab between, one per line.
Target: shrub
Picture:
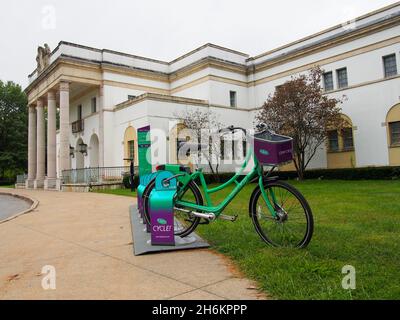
369	173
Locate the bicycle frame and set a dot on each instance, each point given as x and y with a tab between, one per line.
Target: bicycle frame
217	210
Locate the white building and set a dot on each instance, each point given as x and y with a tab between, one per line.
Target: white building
104	96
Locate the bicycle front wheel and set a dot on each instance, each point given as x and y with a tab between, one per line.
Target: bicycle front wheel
184	223
293	225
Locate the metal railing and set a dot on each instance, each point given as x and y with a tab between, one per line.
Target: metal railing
95	175
21	178
78	126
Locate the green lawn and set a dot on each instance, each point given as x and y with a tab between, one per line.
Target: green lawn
8	186
356	223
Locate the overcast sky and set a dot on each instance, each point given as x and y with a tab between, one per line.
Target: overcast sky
163	29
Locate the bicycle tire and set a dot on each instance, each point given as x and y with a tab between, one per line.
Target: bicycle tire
194	221
304	242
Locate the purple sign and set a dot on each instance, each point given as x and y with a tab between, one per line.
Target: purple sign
162	228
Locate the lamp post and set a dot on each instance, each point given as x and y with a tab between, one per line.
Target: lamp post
132	173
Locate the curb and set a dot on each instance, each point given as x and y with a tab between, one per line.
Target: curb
34	205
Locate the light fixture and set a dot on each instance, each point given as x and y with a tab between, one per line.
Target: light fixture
83	148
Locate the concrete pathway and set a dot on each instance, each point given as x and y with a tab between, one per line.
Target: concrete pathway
87	238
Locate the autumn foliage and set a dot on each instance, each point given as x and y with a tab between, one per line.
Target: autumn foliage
300	109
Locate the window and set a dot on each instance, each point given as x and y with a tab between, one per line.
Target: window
131	149
328	81
232	96
347	136
333	140
244	148
180	143
394	128
94	105
222	146
342	78
80	112
390	66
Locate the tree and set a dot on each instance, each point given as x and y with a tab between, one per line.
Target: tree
13	130
300	109
204	127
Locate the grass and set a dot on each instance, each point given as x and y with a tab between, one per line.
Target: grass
8	186
356	223
119	192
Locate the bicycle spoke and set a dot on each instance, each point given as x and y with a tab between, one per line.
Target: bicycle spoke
291	227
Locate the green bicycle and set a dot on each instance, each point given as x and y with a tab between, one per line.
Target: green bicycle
279	212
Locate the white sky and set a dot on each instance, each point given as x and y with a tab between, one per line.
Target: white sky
163	29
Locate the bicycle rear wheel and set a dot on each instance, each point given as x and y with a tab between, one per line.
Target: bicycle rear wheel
294	224
184	223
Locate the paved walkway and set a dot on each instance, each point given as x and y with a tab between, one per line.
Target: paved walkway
87	238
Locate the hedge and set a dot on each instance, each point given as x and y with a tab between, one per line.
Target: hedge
6	182
369	173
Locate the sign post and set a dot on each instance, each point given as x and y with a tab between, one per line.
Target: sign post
145	167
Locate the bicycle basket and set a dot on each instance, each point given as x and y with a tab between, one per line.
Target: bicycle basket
272	149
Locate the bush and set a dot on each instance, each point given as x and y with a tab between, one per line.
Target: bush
370	173
221	178
6	182
126	181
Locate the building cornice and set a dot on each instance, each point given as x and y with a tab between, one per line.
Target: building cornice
171	99
99	66
325	44
336	27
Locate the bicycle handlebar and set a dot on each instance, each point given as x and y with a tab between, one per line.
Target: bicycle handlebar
232	129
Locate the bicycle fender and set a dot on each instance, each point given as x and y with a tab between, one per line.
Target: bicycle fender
266	180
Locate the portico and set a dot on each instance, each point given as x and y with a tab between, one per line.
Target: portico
56	89
42	165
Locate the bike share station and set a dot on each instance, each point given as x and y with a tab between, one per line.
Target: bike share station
280	214
157	236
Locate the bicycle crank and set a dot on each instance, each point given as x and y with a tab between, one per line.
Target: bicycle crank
207	216
228	218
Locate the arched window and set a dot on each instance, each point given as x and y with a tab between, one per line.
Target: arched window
393	135
130	145
340	146
94	151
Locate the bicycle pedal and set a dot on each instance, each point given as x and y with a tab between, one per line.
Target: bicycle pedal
228	218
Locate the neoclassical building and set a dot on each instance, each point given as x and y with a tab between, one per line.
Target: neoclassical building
104	96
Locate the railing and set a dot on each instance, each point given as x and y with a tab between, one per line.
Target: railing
78	126
95	175
21	178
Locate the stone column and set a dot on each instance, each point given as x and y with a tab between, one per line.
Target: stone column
31	147
101	126
50	182
64	127
40	146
